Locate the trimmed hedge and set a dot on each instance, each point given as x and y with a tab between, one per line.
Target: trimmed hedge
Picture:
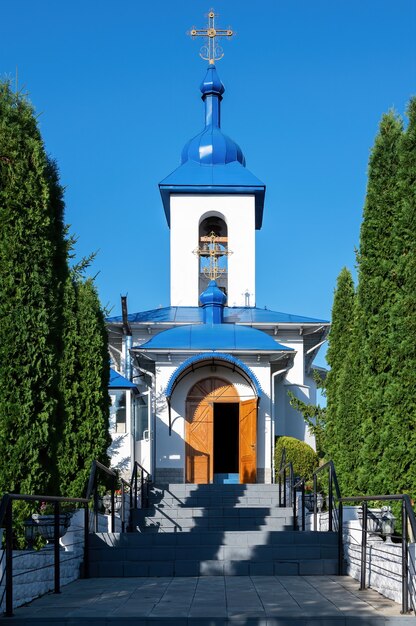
304	458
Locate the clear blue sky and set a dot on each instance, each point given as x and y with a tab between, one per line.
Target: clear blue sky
116	84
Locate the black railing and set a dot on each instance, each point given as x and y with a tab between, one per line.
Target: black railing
335	504
334	496
139	482
300	483
141	477
285	478
93	490
335	508
6	521
408	518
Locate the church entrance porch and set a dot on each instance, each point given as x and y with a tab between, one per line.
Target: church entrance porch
220	434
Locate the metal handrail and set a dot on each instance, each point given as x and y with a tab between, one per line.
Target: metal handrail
92	489
334	493
408	517
144	485
282	472
6	518
299	483
333	483
6	521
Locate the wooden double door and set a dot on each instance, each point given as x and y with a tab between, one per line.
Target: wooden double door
220	432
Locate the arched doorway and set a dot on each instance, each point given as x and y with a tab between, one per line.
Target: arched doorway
220	432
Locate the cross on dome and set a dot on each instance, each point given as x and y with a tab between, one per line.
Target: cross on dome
211	51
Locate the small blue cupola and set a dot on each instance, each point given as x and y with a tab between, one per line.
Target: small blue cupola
213	302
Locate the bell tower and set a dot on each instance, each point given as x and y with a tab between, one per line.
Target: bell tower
213	203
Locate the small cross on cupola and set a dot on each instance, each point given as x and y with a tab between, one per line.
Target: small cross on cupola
211	51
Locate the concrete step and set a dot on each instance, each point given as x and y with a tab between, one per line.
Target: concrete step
213	567
213	537
212	490
219	553
216	487
211	512
168	524
214	501
214	554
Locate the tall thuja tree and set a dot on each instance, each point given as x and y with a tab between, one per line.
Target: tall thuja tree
398	470
85	435
375	296
339	342
347	439
33	270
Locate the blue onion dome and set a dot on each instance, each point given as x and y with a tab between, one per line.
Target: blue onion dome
212	296
212	146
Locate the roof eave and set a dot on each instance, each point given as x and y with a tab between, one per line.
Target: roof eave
258	192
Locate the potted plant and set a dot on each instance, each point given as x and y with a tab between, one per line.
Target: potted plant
45	522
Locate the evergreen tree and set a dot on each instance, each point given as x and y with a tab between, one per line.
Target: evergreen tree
375	296
398	470
338	344
346	432
86	371
33	270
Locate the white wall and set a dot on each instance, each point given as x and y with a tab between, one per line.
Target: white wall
187	211
288	421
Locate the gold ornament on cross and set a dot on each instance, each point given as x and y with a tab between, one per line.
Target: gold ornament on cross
213	249
211	51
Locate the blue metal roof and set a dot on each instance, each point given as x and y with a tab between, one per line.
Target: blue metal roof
194	315
214	337
212	162
117	381
212	356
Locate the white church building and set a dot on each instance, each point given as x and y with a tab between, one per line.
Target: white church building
199	388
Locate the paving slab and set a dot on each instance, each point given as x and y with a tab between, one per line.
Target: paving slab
213	601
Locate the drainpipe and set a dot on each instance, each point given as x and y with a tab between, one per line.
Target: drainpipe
152	434
273	415
127	339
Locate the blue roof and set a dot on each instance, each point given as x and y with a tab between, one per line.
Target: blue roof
211	162
214	337
194	315
212	356
117	381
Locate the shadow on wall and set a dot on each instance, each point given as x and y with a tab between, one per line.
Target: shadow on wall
113	450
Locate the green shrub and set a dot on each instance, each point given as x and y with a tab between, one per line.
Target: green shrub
304	458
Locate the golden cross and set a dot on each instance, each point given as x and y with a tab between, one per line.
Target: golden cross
211	51
212	250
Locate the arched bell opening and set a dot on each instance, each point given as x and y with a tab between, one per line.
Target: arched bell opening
213	252
220	433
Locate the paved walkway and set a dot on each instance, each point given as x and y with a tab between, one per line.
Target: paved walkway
213	601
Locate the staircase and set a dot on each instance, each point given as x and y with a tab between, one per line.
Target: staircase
213	530
213	555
